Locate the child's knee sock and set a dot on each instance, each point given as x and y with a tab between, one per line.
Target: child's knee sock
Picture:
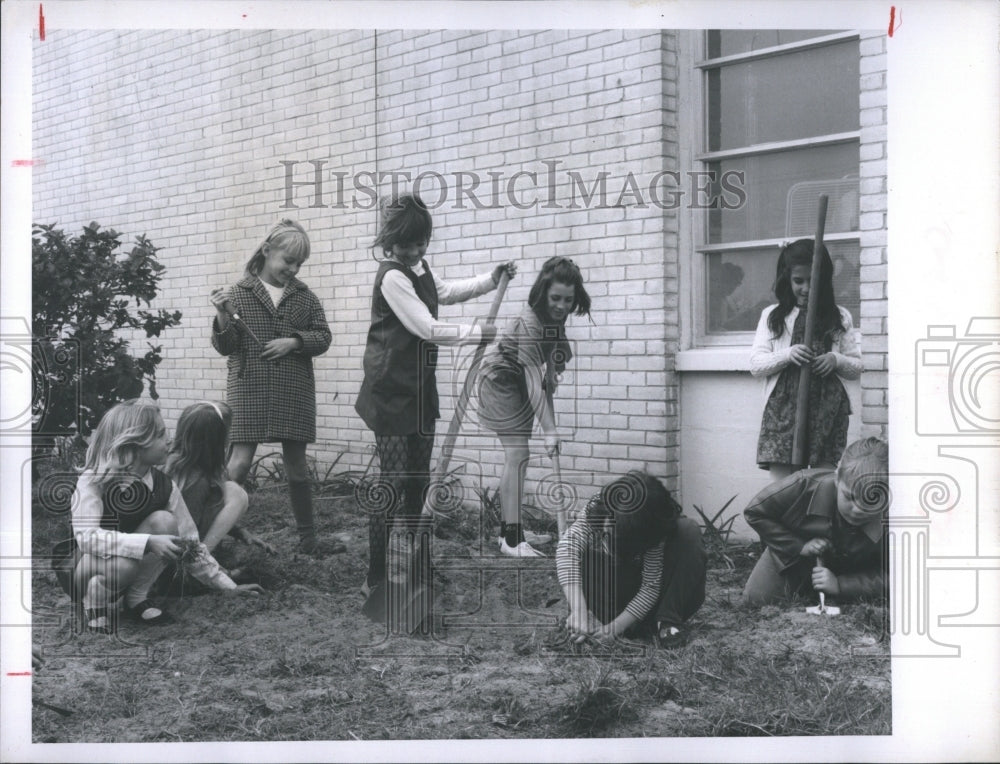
376	547
149	570
95	595
301	495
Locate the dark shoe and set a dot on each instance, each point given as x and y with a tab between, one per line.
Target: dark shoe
669	637
142	613
313	546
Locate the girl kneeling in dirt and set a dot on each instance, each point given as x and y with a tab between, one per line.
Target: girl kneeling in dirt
631	565
197	463
129	521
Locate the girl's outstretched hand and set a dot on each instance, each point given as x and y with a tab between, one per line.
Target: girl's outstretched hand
552	444
280	347
800	354
581	626
824	364
251	589
510	268
166	547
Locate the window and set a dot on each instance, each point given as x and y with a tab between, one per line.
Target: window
780	107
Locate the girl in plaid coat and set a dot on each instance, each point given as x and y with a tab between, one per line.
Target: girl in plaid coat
271	387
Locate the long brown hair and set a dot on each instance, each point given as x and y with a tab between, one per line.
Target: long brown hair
199	446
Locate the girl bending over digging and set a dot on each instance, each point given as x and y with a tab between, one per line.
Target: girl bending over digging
631	565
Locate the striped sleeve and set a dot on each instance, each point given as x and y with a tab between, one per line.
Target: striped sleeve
645	599
569	553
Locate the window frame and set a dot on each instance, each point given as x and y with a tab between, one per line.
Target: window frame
693	68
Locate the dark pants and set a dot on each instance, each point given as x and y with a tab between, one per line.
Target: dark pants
768	583
610	586
405	462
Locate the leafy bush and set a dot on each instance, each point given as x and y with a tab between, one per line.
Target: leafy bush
82	294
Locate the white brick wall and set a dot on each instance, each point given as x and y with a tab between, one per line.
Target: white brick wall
180	135
874	298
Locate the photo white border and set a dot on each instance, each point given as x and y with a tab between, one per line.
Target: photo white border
943	169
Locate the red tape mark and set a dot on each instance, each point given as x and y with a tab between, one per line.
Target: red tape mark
41	23
892	19
18	673
23	163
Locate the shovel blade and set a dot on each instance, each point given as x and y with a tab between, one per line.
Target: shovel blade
820	610
404	607
404	601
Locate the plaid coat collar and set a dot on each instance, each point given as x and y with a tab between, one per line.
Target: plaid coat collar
823	502
255	285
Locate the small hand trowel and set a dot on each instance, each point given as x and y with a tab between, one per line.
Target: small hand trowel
822	608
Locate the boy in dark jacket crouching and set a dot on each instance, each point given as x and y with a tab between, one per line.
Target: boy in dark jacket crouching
824	530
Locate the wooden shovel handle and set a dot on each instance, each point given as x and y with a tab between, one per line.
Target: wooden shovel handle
448	446
800	438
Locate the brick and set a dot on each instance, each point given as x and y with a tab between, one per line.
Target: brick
874	415
871	46
869	151
872	64
872	98
872	256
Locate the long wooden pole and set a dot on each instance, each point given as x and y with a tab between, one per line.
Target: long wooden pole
800	439
448	446
557	473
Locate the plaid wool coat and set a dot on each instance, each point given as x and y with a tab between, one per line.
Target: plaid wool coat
272	400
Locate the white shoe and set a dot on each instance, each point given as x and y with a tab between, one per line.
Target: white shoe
532	538
524	549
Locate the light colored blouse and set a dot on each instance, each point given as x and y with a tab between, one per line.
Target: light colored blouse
769	356
398	291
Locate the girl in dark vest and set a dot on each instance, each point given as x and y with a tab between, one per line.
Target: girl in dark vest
398	399
129	521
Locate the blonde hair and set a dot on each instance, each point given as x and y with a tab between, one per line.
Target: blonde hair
286	235
123	433
864	470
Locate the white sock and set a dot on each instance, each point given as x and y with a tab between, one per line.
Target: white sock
96	595
149	570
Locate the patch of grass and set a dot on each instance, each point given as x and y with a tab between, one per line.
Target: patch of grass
789	693
871	617
716	533
598	704
126	694
290	664
509	711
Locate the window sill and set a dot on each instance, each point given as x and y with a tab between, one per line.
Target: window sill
714	359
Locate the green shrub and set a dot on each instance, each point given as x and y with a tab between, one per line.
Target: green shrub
84	293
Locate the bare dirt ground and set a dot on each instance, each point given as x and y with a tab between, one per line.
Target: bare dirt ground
302	663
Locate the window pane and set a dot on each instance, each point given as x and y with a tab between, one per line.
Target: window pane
740	284
796	95
767	182
727	42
